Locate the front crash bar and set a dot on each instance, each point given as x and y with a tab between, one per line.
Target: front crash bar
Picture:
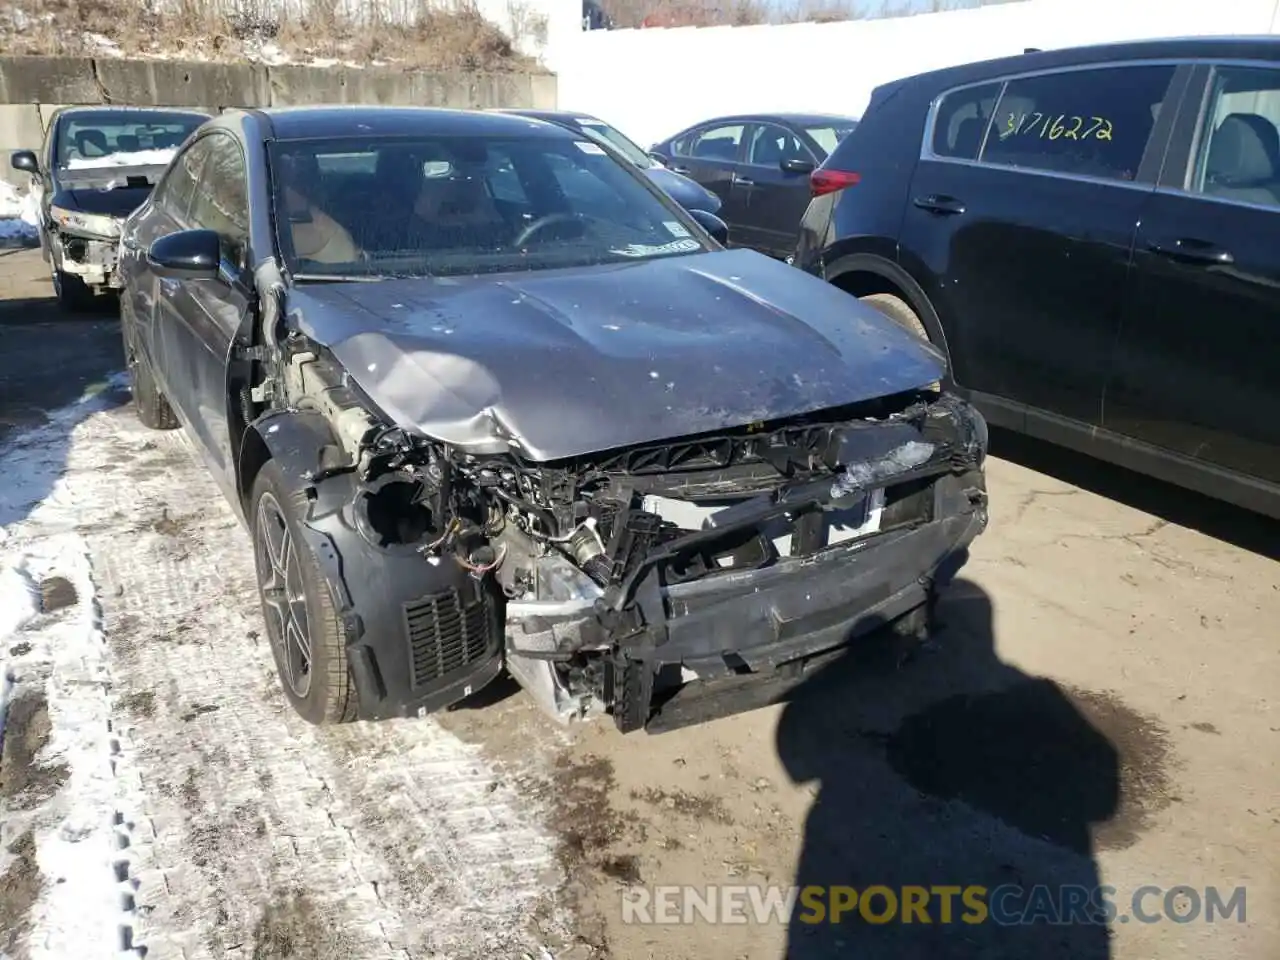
840	492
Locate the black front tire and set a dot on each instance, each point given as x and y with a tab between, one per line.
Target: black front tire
151	405
296	602
72	293
900	312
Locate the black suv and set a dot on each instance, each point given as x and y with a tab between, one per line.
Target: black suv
1093	237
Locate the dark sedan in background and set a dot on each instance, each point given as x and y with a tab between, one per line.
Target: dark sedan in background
686	192
96	165
759	166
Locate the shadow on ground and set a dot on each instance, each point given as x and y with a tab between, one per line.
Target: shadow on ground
958	770
56	367
1179	506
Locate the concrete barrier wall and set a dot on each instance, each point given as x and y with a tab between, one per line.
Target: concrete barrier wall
31	87
652	83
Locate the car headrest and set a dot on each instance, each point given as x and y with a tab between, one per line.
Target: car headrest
91	143
1245	149
768	151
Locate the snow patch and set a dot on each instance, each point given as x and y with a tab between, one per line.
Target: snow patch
181	819
134	158
19	602
19	212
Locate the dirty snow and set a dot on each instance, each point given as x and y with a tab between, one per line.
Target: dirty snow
18	213
131	158
199	816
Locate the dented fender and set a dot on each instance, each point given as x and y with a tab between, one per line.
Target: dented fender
374	588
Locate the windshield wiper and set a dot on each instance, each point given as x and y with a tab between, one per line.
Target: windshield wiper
339	277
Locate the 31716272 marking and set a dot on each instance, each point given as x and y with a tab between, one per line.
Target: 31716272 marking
1051	127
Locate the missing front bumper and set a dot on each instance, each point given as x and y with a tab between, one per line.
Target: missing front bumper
92	260
736	640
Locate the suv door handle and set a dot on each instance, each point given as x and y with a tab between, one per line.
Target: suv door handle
1190	250
743	181
937	203
680	170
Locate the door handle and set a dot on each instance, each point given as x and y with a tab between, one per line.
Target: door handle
939	204
680	170
743	181
1189	250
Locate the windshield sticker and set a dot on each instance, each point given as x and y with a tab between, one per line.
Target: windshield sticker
675	229
654	249
593	148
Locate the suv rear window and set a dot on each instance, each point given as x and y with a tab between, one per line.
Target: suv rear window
962	119
1088	122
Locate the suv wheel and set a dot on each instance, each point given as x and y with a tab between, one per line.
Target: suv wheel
71	292
897	310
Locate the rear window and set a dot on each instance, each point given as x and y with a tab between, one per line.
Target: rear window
962	119
86	138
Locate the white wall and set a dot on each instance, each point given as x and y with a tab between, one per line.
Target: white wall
651	83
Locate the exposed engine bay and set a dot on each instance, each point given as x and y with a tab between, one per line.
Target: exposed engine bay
607	569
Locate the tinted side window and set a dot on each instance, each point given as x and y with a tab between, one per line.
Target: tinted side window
1089	122
962	119
222	202
174	193
771	144
716	143
1239	153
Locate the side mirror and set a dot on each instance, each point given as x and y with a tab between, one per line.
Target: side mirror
187	255
797	165
709	222
24	160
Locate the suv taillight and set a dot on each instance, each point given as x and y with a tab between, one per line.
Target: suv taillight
822	181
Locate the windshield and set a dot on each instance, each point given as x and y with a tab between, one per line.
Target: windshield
618	141
451	206
828	136
108	140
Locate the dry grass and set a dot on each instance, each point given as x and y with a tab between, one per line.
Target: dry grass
421	34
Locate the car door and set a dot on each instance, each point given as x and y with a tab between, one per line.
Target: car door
200	318
164	212
1195	369
1020	220
775	182
712	156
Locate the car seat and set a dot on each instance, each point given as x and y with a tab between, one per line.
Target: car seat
1243	162
91	143
767	151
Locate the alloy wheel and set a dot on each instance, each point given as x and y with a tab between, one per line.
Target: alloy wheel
280	580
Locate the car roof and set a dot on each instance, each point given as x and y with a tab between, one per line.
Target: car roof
800	119
1170	48
554	116
107	110
293	123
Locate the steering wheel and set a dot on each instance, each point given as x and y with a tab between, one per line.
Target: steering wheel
549	220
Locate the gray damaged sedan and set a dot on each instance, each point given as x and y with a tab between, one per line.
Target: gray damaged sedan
488	400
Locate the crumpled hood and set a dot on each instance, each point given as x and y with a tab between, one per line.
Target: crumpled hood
568	362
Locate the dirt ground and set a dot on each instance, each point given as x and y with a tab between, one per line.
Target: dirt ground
1098	708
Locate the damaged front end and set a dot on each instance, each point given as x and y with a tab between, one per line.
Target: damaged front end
629	578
